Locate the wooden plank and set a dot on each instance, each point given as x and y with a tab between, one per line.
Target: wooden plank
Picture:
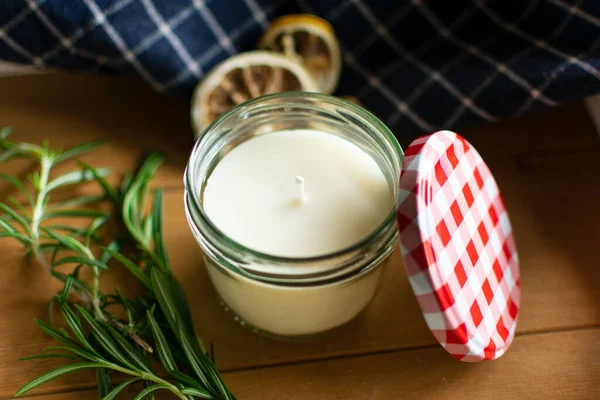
72	109
556	232
562	365
543	162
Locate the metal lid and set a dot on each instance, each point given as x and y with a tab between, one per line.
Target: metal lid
458	247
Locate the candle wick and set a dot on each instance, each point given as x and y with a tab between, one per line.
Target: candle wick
301	190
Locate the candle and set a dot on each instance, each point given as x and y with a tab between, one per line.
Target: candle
295	311
291	198
297	193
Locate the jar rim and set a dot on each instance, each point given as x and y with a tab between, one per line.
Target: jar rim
349	106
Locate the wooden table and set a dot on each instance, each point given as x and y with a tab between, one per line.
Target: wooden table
547	165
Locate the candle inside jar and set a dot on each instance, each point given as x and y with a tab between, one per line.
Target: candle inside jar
297	193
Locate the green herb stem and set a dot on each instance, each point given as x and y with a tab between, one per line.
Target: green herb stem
38	210
147	377
158	322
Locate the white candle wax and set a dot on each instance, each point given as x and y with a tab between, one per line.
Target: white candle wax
297	193
296	311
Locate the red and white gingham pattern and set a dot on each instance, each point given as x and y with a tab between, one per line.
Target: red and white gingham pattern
458	247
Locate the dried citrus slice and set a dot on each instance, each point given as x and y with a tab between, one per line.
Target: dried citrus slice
243	77
312	40
353	99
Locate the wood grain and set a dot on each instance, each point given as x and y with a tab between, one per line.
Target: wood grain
73	109
556	279
546	164
561	365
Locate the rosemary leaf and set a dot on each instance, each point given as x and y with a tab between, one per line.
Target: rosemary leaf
94	226
76	328
162	347
130	311
15	235
58	372
140	362
79	352
185	379
134	269
104	384
216	378
192	359
157	228
5	132
76	201
20	149
110	191
197	393
131	213
79	260
70	243
126	182
5	224
164	296
80	212
72	230
66	290
52	355
79	150
16	217
116	391
17	183
104	339
106	255
24	212
74	177
54	334
147	228
8	154
80	286
151	389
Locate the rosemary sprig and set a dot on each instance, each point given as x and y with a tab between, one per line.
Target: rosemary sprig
157	324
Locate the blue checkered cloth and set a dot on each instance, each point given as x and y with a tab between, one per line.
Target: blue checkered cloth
419	65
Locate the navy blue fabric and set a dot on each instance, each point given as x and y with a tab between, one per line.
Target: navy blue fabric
419	65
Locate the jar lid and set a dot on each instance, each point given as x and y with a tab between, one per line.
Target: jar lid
458	247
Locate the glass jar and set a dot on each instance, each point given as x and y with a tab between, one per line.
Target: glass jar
292	296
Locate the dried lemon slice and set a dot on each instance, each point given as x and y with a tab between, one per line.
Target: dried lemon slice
243	77
354	100
312	40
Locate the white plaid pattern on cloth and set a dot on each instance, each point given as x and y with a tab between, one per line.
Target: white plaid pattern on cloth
458	247
419	65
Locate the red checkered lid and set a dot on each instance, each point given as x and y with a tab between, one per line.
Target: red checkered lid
458	247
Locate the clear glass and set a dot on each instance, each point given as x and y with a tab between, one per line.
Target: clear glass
292	296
